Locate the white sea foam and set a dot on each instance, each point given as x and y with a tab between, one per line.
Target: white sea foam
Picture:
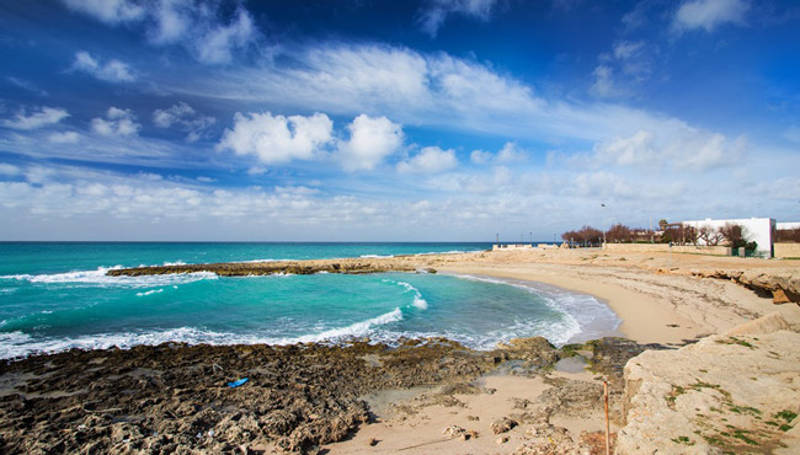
150	292
99	277
427	253
418	302
584	317
375	256
252	261
18	344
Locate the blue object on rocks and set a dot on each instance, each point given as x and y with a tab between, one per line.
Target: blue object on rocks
237	383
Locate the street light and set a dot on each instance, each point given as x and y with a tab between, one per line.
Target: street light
604	232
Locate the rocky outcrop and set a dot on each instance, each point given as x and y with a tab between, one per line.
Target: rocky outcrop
782	285
350	266
173	398
738	392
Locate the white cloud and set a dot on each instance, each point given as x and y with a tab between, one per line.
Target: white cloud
206	29
429	160
681	147
480	157
9	169
372	139
220	41
709	14
277	139
436	11
112	71
603	85
26	85
185	118
109	11
44	117
509	153
627	49
118	122
435	90
67	137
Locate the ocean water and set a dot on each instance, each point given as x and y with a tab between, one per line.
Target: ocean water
56	296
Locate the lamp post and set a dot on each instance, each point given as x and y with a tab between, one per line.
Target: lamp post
603	205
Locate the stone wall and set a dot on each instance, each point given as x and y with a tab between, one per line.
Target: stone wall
664	248
787	250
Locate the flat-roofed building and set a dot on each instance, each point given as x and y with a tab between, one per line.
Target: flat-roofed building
759	230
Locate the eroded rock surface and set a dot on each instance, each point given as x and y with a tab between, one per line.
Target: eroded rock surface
737	393
783	286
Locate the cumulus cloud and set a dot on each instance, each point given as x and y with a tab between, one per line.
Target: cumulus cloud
372	139
66	137
43	116
436	90
481	156
682	147
277	138
185	118
709	14
117	122
207	30
429	160
509	153
436	11
112	71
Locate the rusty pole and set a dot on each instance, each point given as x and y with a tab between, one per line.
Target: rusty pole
605	398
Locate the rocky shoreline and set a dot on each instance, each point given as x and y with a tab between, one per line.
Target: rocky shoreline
173	398
782	285
308	267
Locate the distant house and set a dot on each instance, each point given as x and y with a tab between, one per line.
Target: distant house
759	230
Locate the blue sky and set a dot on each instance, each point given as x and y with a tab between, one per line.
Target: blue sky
377	120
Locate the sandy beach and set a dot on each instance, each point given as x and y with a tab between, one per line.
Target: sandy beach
423	397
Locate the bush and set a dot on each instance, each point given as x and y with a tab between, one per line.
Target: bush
788	235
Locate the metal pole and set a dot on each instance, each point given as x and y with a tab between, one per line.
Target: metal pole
605	399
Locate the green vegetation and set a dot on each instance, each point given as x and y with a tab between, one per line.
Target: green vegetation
742	435
744	409
734	340
786	415
683	440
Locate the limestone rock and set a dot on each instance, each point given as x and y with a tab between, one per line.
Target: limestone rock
503	425
730	392
454	431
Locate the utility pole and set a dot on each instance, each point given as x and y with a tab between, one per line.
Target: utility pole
604	231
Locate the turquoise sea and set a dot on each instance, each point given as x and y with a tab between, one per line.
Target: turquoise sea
56	296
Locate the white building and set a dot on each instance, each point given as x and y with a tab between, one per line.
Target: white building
788	225
759	230
511	246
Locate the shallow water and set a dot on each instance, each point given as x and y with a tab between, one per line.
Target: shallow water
57	296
